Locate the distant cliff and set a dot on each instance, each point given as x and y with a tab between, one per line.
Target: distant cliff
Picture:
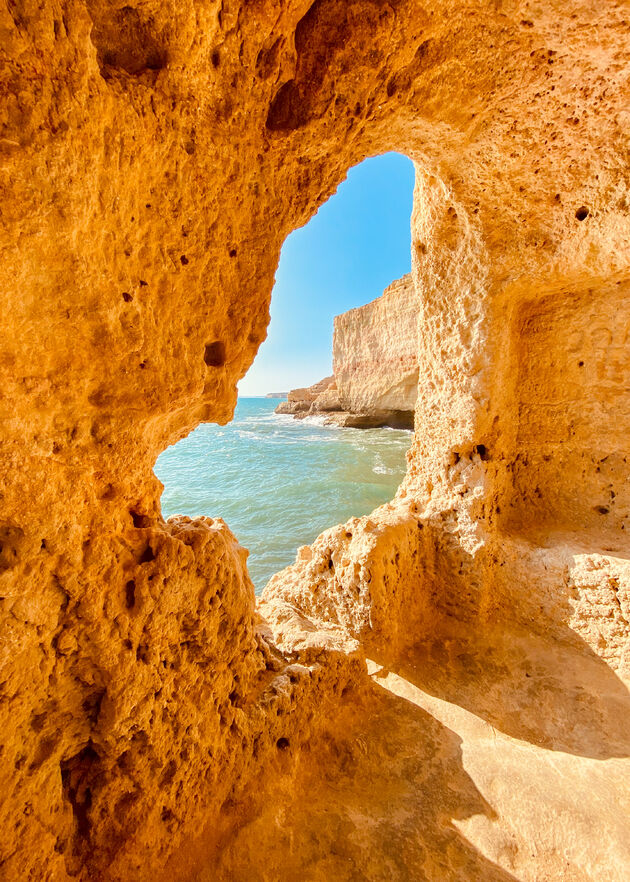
299	401
374	362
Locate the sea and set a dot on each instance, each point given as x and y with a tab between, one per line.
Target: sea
279	482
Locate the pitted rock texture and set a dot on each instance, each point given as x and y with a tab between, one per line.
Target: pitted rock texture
153	158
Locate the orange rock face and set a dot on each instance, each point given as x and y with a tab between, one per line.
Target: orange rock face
156	724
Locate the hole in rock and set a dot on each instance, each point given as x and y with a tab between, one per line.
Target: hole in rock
130	594
11	542
277	481
126	40
76	776
92	705
214	355
140	521
482	452
147	555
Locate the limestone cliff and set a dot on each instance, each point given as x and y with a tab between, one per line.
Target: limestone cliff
375	355
155	723
299	401
375	367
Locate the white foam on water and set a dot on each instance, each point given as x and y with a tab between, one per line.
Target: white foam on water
279	482
315	420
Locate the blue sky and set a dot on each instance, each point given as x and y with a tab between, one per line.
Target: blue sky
356	244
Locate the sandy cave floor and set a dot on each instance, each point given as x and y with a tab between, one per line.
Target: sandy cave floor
465	761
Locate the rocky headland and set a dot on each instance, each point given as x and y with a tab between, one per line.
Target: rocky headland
300	401
375	365
437	691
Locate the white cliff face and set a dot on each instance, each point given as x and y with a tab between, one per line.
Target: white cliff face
375	352
375	365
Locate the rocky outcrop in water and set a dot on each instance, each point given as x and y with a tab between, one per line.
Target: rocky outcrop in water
300	401
158	724
375	356
375	364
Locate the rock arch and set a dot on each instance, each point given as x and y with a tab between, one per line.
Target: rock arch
149	176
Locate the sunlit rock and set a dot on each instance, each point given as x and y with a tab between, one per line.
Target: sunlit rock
155	723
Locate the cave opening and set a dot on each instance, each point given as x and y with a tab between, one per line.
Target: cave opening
279	480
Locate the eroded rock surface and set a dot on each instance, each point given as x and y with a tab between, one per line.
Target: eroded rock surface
152	160
300	401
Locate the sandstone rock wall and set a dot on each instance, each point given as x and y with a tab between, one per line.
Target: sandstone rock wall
153	158
300	401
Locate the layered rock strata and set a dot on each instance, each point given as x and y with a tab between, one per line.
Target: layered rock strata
156	724
300	401
375	366
375	356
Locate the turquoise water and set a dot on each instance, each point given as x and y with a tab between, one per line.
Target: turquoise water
278	482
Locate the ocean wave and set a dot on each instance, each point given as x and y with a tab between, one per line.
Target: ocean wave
316	420
279	482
